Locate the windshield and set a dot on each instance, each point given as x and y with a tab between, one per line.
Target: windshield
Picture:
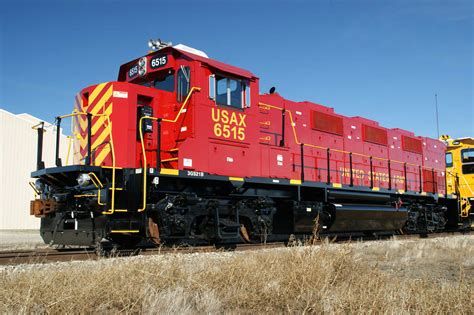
467	159
164	82
467	155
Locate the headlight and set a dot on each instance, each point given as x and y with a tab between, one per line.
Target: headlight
39	185
142	66
83	179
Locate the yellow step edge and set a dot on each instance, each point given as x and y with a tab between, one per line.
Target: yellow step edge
237	179
110	188
117	168
441	195
121	210
401	191
375	188
84	195
169	160
169	171
337	185
295	181
124	231
423	193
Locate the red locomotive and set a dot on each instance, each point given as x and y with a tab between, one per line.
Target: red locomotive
184	148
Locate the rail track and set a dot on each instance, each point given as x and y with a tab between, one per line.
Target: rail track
41	256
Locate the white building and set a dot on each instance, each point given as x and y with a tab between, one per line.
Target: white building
18	143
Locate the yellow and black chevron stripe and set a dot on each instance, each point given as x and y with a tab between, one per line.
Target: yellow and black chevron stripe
100	105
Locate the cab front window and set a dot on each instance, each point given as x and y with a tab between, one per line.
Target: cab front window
164	82
467	155
467	159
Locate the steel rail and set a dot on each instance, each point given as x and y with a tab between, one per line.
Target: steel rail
48	255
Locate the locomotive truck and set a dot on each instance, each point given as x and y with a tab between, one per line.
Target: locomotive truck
184	148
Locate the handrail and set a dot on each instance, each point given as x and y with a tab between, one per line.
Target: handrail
32	185
194	88
73	114
35	127
112	149
260	104
98	184
68	149
95	180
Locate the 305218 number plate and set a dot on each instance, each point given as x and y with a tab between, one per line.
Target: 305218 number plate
195	174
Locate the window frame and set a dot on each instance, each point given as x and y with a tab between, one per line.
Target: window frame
469	159
467	165
242	84
167	75
450	154
467	168
181	98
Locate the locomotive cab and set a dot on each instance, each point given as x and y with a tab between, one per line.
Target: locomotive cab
129	133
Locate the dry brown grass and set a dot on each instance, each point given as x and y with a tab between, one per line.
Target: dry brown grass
349	278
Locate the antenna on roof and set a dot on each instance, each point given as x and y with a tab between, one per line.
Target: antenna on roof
437	119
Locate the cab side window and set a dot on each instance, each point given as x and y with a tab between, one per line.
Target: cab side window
183	83
229	92
449	159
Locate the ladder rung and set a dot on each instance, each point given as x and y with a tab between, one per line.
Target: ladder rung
110	188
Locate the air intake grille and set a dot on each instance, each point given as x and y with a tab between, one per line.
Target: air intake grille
374	135
327	123
412	145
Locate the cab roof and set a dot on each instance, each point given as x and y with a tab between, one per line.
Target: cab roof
211	63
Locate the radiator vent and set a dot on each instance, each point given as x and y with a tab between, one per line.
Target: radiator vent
374	135
412	145
327	123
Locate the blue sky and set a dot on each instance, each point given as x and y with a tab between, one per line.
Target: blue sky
383	60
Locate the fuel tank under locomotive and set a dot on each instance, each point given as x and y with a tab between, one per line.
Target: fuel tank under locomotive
351	211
